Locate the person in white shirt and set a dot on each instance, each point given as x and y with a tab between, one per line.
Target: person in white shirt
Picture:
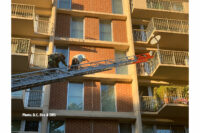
76	60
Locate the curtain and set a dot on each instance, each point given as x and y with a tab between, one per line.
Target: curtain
76	28
105	30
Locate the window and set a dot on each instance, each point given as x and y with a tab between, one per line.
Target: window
16	125
108	98
76	30
117	6
34	97
147	128
105	31
64	51
163	129
64	4
56	127
121	69
75	96
31	126
125	128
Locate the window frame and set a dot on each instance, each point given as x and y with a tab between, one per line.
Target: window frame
82	95
48	126
114	98
83	22
111	30
58	5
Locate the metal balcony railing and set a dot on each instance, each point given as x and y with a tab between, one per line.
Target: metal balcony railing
42	25
170	5
39	60
23	11
165	57
20	45
153	103
172	25
34	98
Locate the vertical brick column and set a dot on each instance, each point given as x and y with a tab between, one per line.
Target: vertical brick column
58	95
119	31
88	95
62	25
105	126
96	96
92	28
124	97
78	126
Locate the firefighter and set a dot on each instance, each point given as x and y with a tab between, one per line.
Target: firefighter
55	59
76	60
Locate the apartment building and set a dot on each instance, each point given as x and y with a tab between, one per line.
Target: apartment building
120	100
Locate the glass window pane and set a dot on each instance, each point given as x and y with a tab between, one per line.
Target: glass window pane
31	126
64	51
56	127
121	69
75	96
108	98
64	4
125	128
117	6
163	129
76	28
147	128
105	31
16	125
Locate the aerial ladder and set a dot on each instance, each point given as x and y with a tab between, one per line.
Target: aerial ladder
47	76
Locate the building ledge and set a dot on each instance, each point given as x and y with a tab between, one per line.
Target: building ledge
104	77
88	42
94	114
82	13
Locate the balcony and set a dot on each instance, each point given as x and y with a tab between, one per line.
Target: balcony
174	33
166	65
17	100
38	61
37	3
33	25
20	49
173	105
156	8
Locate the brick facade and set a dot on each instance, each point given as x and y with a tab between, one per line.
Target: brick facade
93	54
93	5
124	97
92	28
62	25
119	31
58	95
91	126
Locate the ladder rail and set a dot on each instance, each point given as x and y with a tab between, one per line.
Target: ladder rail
47	76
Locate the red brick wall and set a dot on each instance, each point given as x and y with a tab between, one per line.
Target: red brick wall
91	96
105	126
124	97
93	5
119	31
92	28
62	25
58	95
92	54
78	126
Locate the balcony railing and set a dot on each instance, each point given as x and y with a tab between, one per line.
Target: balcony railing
153	103
169	5
23	11
166	57
42	25
20	45
39	60
34	98
172	25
